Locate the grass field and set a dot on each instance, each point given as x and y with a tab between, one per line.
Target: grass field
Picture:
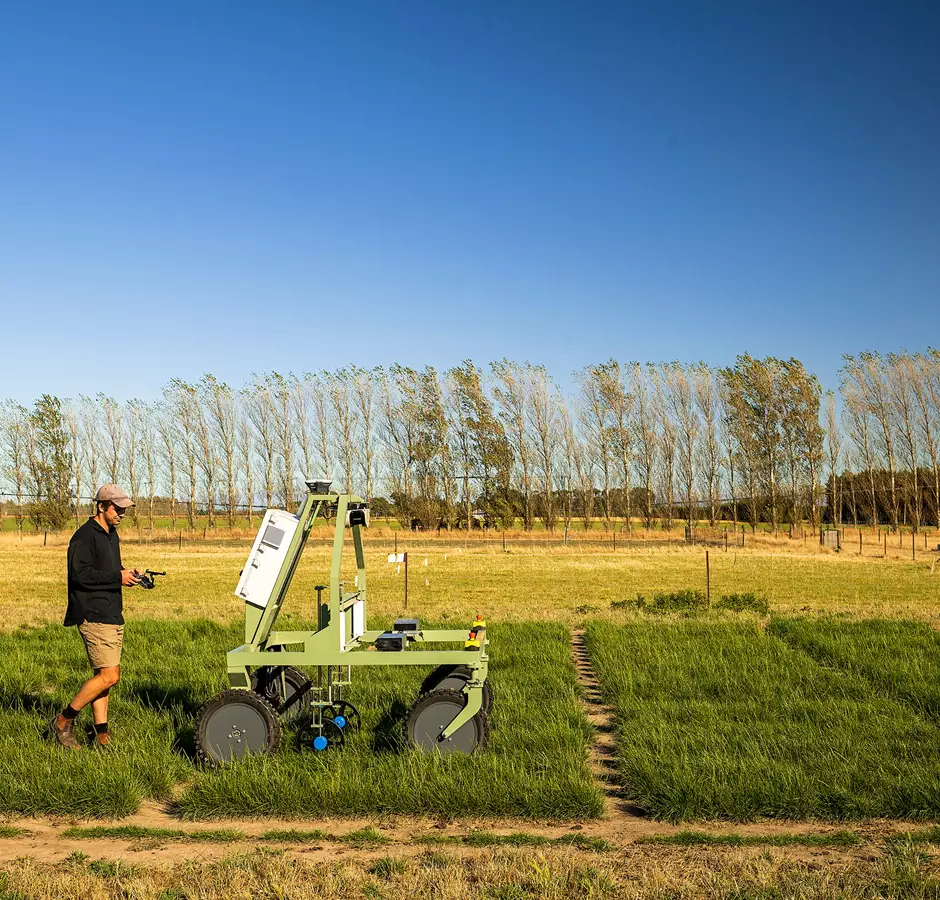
722	720
535	765
461	579
821	705
898	659
717	717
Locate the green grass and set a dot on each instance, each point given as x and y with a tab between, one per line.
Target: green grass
535	765
899	659
921	836
387	867
106	868
703	838
686	601
297	835
11	831
362	838
748	602
721	720
365	838
141	832
517	839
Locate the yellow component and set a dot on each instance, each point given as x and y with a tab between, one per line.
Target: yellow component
473	642
479	623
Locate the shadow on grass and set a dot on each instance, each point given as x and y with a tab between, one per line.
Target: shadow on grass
162	699
26	702
389	734
185	743
182	706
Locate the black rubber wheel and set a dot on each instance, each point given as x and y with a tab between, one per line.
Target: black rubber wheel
453	678
433	712
321	740
235	724
344	715
266	682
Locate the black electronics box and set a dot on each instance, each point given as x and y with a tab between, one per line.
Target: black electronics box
391	640
407	625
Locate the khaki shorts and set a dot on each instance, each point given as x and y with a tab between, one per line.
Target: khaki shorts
102	643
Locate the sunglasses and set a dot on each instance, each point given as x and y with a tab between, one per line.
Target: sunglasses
120	510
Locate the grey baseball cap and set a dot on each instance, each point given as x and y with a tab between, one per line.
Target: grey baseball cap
111	493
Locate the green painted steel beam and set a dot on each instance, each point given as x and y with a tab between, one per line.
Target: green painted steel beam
330	645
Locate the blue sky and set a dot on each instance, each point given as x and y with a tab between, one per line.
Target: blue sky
229	187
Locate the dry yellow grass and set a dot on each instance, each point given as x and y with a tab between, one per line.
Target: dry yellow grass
631	874
456	577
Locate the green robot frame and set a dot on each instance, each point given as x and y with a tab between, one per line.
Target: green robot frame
269	687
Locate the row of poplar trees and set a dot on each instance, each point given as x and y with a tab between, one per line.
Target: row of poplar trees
631	445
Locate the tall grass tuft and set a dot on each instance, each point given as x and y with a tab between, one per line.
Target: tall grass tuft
747	602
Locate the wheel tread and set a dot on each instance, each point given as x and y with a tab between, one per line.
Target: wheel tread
482	719
238	694
429	685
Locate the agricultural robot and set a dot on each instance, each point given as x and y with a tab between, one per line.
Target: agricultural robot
300	676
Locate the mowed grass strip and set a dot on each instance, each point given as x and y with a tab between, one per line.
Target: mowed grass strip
361	838
704	838
899	659
142	832
536	764
517	839
929	835
721	720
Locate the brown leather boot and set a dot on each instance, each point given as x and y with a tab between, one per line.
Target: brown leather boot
65	735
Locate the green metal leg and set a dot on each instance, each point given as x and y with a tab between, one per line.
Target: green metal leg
474	705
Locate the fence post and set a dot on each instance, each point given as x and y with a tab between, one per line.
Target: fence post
406	579
708	580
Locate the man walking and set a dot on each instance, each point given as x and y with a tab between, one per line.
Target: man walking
95	579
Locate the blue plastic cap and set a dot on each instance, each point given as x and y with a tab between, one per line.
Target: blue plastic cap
320	742
340	721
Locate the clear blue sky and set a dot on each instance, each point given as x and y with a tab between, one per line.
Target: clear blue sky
239	186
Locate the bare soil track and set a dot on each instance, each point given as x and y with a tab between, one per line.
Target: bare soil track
601	717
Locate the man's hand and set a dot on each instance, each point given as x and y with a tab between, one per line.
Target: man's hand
129	577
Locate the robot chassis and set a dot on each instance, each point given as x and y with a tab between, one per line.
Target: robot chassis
268	682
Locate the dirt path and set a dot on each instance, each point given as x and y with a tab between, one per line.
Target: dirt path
45	842
603	750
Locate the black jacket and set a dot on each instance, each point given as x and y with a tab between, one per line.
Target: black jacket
94	561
